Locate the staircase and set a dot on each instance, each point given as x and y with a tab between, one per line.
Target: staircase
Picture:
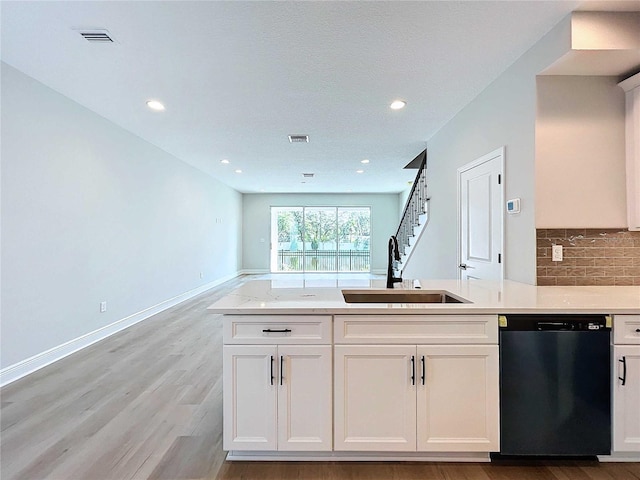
415	216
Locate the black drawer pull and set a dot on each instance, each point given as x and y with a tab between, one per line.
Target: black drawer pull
637	330
276	330
624	370
423	370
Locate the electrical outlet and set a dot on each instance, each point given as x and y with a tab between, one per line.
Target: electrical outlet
201	275
103	307
556	253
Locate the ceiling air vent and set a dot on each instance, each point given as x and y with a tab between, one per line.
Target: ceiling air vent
96	35
308	175
298	138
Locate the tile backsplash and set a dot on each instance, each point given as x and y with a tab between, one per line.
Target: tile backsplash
590	257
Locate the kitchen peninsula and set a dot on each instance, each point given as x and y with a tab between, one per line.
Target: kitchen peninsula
309	376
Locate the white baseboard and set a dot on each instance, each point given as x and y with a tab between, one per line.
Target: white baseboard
620	457
253	271
25	367
358	456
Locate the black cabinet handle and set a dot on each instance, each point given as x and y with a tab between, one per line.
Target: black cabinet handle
637	330
271	369
281	368
423	370
624	370
276	330
413	370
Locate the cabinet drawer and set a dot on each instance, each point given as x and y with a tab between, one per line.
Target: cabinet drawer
416	329
276	329
626	330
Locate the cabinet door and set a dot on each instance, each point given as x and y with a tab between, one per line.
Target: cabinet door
375	399
304	398
249	397
458	398
626	399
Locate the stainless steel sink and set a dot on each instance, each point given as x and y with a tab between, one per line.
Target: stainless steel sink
401	296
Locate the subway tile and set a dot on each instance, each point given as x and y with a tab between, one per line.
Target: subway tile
631	252
604	281
594	252
568	281
573	252
631	271
595	271
576	271
623	261
623	280
575	233
604	262
583	281
585	262
615	271
545	281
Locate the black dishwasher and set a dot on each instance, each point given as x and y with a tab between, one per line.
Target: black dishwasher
555	383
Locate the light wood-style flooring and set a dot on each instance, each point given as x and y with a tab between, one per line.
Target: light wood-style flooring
146	403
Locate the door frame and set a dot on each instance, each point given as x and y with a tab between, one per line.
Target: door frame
499	152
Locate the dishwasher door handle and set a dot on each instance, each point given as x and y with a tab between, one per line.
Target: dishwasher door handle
623	360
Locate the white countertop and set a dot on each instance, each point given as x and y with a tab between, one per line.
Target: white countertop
295	296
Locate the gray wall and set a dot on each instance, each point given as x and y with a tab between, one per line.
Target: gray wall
503	114
580	132
92	213
256	221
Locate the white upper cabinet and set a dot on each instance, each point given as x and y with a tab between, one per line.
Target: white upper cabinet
632	135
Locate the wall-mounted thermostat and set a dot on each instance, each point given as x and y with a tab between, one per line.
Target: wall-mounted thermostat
513	206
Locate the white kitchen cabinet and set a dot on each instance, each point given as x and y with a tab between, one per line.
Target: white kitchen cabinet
277	397
375	401
632	140
458	398
249	397
427	398
304	398
626	384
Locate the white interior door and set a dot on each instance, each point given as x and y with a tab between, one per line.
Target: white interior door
480	216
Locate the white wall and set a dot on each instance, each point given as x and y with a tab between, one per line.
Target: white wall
257	222
580	153
503	114
92	213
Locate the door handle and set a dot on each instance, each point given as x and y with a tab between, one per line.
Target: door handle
462	266
623	360
281	368
413	370
271	369
423	370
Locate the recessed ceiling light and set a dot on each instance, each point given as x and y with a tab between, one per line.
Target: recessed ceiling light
364	161
225	161
155	105
359	171
238	171
397	104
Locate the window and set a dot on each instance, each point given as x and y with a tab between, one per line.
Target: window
320	239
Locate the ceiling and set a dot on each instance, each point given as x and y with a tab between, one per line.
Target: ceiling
238	77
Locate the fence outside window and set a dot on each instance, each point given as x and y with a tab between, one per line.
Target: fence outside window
324	261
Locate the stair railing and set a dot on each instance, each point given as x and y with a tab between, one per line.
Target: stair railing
414	207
